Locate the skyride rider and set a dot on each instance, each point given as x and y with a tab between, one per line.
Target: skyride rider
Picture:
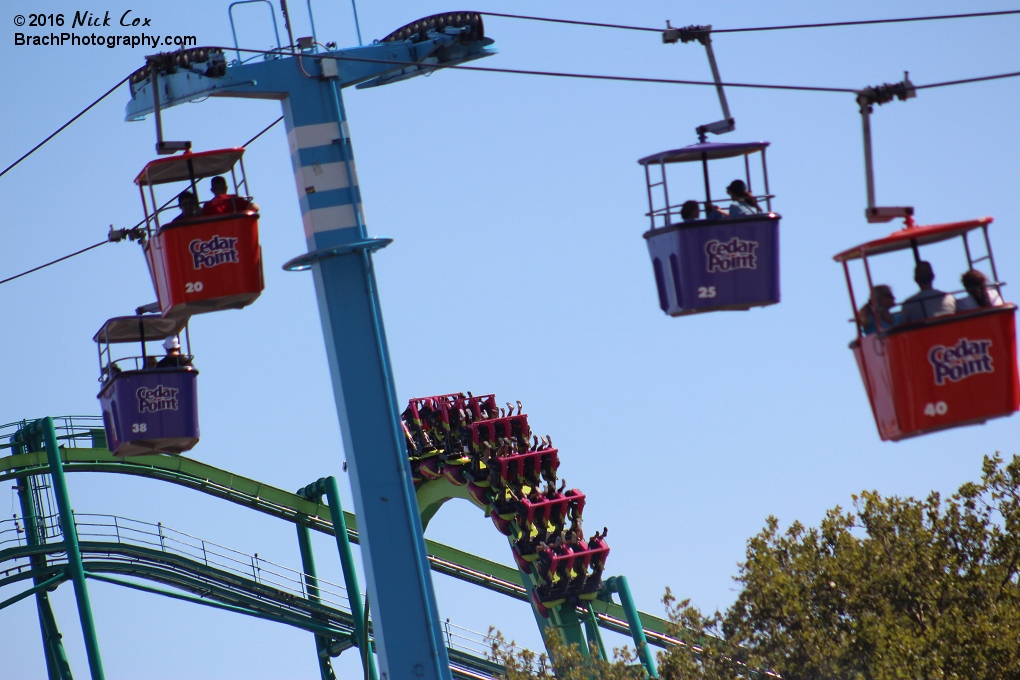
882	300
223	203
928	302
979	294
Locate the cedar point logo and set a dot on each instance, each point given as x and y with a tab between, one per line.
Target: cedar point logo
157	398
733	254
960	361
217	250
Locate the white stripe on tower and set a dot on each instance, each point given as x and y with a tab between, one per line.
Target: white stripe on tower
319	177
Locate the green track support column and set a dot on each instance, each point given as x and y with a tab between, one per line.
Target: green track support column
70	531
312	586
327	486
591	629
563	619
57	666
618	584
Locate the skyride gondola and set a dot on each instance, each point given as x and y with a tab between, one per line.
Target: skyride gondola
706	259
208	257
944	370
204	259
149	403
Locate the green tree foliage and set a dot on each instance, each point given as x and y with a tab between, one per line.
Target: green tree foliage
570	663
897	588
894	588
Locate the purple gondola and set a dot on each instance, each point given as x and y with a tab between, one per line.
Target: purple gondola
703	259
150	403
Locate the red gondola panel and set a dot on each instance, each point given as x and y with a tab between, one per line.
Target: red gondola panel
950	371
206	264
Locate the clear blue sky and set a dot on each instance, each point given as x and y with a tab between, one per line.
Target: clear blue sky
518	268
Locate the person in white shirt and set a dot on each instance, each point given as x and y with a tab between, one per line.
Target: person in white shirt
744	203
928	302
978	293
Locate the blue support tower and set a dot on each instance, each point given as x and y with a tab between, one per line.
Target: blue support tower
406	620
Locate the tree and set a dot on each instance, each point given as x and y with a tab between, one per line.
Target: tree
570	664
894	588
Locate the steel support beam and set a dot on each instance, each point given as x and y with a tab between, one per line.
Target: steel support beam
327	486
44	428
591	630
618	585
57	666
237	609
393	548
562	618
312	590
54	581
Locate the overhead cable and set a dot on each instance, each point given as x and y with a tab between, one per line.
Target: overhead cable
62	127
632	28
637	79
964	81
570	21
558	74
867	22
830	24
628	79
110	238
264	131
59	259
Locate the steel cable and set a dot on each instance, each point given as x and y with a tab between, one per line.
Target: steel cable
62	127
107	240
829	24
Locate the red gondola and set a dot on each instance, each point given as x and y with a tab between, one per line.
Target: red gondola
939	372
207	258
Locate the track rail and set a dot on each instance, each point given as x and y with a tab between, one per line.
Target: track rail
284	505
131	558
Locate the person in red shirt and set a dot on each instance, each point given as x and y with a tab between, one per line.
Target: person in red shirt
223	203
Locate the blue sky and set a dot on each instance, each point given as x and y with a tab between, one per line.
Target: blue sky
516	207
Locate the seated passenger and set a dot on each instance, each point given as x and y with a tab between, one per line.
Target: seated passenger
189	206
690	211
928	302
173	358
978	293
882	299
223	203
713	213
743	202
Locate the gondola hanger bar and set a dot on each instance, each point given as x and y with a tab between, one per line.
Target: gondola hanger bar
156	64
703	34
867	98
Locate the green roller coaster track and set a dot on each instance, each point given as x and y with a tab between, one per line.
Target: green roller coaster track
204	582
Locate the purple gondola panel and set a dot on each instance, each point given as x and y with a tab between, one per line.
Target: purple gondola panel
725	264
706	255
151	411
